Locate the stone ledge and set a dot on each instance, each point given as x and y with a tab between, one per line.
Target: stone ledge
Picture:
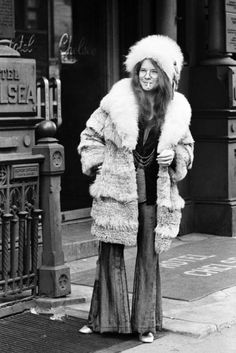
16	307
189	328
80	250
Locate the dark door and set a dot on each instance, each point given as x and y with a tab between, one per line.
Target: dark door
83	85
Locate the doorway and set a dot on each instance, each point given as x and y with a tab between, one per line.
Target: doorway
84	83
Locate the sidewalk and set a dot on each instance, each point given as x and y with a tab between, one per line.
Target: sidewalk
197	318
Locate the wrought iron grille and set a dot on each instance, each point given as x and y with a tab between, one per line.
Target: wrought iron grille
20	220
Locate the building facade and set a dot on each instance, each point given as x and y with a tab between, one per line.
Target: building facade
83	43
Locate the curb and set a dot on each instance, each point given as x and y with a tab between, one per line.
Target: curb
194	329
16	307
188	328
50	303
77	296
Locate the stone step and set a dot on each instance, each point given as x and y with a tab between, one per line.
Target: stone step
80	250
77	241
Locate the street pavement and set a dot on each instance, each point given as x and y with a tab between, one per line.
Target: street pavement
188	325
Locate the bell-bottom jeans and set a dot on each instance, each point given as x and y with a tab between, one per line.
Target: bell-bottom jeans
110	309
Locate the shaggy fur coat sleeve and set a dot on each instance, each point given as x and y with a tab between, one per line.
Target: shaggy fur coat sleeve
175	135
92	145
183	159
169	202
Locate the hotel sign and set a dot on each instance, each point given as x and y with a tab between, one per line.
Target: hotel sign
230	31
17	86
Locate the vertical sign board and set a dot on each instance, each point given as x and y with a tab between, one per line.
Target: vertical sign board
7	19
230	46
230	30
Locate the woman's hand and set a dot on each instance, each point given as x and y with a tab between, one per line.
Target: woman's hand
96	170
99	167
165	158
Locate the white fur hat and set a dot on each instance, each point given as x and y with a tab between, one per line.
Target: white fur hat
164	50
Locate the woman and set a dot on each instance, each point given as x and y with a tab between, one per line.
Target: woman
138	145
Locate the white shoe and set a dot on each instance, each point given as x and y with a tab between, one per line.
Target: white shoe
146	338
85	329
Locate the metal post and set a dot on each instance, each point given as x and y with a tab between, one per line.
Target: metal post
13	236
27	245
22	219
54	275
5	254
34	241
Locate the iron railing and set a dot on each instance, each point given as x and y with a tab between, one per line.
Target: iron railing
20	221
49	99
20	216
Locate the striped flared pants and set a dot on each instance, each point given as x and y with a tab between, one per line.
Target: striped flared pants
110	310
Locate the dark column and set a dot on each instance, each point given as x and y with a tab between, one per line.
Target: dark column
213	100
217	54
166	18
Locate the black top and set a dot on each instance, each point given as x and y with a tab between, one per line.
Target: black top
145	155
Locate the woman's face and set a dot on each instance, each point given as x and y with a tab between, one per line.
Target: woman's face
148	76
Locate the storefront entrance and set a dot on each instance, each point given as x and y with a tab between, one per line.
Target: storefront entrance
102	32
83	85
84	44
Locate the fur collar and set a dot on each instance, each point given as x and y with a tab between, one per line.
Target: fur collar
120	103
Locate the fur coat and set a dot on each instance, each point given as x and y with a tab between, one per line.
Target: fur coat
108	140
